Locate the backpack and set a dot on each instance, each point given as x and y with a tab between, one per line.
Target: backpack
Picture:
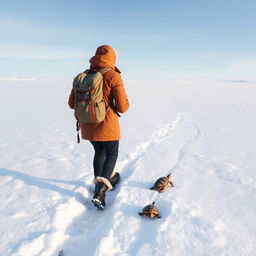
90	107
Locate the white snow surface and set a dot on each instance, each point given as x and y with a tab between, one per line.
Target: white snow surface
202	133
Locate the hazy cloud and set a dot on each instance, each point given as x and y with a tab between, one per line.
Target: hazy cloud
240	81
209	56
243	65
11	26
41	52
16	79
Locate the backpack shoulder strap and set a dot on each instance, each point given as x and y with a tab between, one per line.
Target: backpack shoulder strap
104	70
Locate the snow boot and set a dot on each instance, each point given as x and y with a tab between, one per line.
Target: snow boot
99	195
115	179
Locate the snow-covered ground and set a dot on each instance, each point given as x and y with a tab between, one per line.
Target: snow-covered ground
203	133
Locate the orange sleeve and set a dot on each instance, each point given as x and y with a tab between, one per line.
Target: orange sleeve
119	93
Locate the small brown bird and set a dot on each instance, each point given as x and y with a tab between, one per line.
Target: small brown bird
162	183
150	211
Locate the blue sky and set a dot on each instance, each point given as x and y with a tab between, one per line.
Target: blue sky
175	39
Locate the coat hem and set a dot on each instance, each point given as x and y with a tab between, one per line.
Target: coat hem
101	139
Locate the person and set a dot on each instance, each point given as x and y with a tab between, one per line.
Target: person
105	136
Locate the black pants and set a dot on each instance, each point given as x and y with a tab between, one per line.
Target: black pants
106	153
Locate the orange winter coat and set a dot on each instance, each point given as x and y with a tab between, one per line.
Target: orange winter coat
114	95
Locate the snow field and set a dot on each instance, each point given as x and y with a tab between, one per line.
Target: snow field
201	134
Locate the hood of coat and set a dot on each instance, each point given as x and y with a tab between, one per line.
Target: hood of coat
105	57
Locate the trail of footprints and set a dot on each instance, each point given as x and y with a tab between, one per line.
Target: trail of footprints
136	237
89	222
111	228
138	240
